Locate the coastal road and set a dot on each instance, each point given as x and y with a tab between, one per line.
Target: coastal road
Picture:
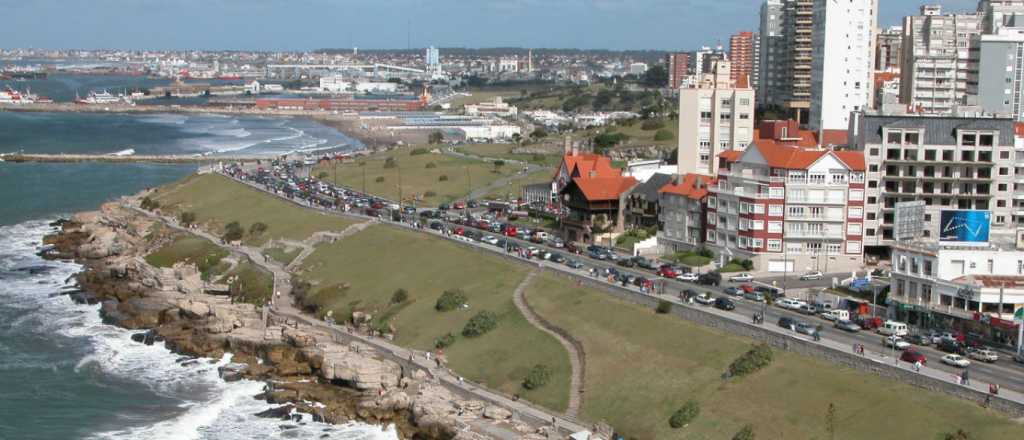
1010	377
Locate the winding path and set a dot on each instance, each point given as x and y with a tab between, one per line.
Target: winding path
574	347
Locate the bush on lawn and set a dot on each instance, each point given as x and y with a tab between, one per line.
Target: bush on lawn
480	323
431	165
444	341
663	307
652	124
745	433
379	179
450	300
233	232
399	296
754	359
538	376
443	178
683	416
418	151
390	163
257	228
149	204
663	135
187	218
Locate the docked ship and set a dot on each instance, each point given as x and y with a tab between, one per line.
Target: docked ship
103	97
11	96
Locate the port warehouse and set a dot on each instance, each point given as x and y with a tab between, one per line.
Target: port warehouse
351	103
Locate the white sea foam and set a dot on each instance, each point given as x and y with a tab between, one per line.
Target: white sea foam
208	407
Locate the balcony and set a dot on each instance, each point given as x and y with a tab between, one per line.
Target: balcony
819	218
816	234
815	182
818	200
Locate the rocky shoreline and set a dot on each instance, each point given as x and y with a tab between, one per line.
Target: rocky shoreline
306	369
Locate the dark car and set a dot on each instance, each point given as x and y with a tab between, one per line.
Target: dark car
913	356
710	279
626	262
437	226
443	207
574	264
787	323
646	263
918	339
770	292
557	258
734	291
847	326
950	346
724	304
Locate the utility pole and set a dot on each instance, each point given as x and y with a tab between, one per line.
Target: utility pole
1001	287
364	179
400	207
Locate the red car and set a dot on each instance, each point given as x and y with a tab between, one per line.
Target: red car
912	356
668	272
459	231
747	288
510	231
459	205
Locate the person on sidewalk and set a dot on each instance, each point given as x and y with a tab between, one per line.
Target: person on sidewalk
964	378
917	366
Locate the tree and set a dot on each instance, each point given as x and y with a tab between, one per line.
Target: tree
517	138
444	341
149	204
663	307
390	162
257	228
435	138
480	323
187	218
539	133
233	232
960	434
498	164
684	415
450	300
745	433
830	421
656	76
399	296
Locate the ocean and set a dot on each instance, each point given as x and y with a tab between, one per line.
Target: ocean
64	374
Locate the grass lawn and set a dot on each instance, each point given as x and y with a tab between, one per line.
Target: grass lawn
253	284
217	201
282	255
478	96
417	179
515	187
504	151
641	367
694	260
637	135
381	259
731	267
207	256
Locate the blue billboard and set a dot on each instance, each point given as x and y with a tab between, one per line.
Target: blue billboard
964	226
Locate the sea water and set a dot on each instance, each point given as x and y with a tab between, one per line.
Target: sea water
64	374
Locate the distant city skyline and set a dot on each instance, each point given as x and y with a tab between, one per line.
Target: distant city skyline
299	25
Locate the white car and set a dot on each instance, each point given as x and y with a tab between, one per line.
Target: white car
705	299
815	275
956	360
896	341
742	278
789	303
984	355
689	276
490	239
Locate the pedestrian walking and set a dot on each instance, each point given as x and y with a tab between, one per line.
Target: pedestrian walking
917	366
965	378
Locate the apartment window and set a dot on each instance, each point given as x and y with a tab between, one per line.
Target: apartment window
1000	220
757	208
929	154
872	184
894	137
775	227
853	229
1004	171
724	116
744	115
873	168
968	139
856	212
1000	203
774	245
775	210
1001	187
856	194
757	225
870	232
744	101
873	152
1004	154
705	116
711	236
712	219
985	140
911	138
776	192
757	243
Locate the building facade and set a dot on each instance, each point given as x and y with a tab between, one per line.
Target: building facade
788	207
678	68
948	162
889	50
936	70
714	116
741	57
842	61
770	66
681	212
1001	72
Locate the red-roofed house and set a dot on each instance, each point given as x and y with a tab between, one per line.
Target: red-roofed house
681	217
592	194
787	205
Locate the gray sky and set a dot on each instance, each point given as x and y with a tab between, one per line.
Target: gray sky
312	24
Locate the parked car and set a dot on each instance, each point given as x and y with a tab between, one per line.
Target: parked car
915	339
895	341
753	296
847	326
688	276
806	309
815	275
836	315
626	262
747	288
956	360
1019	357
742	278
790	303
734	291
724	304
913	356
938	337
669	272
704	298
710	279
806	329
787	323
573	264
982	354
646	263
950	346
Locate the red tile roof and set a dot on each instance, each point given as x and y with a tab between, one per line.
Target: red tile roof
604	188
587	162
833	137
991	281
852	159
688	186
730	155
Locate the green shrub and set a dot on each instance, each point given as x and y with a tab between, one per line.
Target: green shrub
149	204
431	165
187	218
480	323
450	300
379	179
663	135
418	151
399	296
652	124
538	376
321	175
443	178
745	433
705	252
684	415
233	232
444	341
663	307
390	163
430	194
754	359
257	228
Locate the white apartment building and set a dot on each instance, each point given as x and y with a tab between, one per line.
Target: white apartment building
334	84
949	162
497	107
936	66
715	115
843	60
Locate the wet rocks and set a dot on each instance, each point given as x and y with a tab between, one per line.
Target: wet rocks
233	372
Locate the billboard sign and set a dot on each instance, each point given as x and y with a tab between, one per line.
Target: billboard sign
968	227
909	220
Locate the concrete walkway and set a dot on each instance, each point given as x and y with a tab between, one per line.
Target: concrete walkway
283	306
573	347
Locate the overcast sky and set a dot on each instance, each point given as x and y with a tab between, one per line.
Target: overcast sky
394	24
